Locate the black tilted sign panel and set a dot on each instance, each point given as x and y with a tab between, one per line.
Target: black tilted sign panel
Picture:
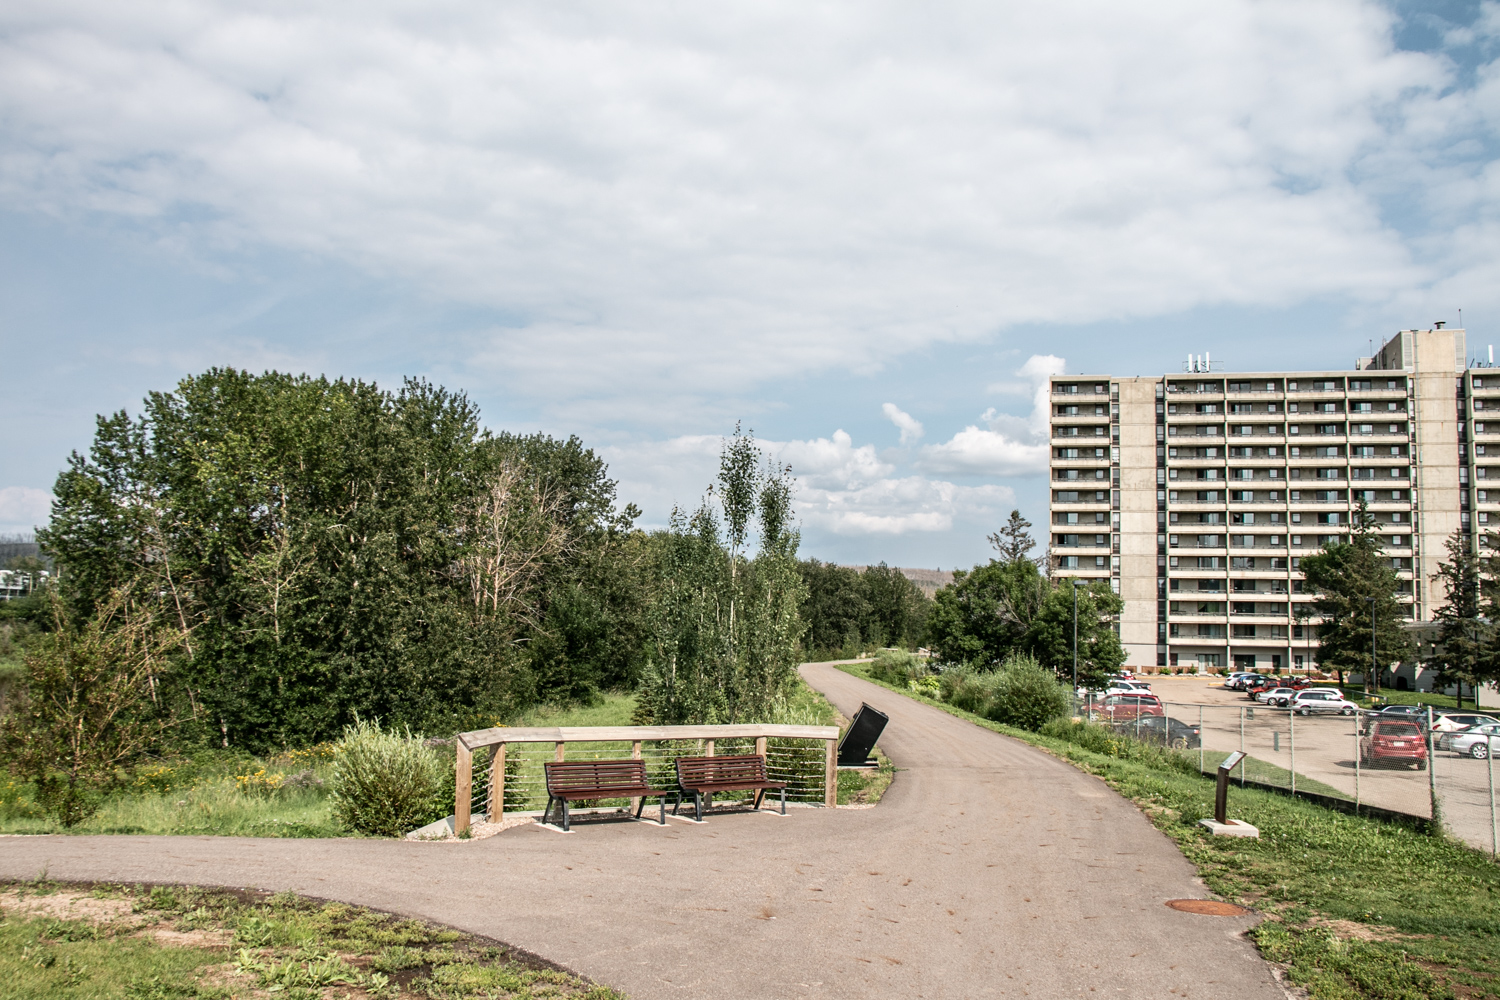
866	728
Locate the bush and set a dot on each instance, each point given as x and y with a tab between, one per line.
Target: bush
897	666
1027	695
385	783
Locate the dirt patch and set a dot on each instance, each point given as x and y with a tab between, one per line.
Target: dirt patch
1361	932
70	905
189	939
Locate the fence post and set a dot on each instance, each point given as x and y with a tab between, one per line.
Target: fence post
1359	722
760	745
708	748
1489	760
1242	745
1291	737
464	786
496	810
1200	739
831	775
559	751
1431	767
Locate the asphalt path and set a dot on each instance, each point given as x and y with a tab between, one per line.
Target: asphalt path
989	869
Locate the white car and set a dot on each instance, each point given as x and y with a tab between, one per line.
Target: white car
1276	696
1308	702
1456	722
1474	742
1128	687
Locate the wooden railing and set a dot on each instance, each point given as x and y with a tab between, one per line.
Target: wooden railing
499	738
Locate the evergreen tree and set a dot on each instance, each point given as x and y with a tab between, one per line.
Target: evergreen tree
1013	541
1464	635
1353	581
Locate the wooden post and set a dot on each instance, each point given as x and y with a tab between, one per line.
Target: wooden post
497	785
635	754
708	748
831	775
464	782
558	756
760	746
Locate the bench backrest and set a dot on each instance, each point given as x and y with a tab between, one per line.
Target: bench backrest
588	775
720	770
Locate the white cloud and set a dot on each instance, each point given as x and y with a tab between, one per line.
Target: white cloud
23	508
910	427
1009	445
841	488
659	197
899	506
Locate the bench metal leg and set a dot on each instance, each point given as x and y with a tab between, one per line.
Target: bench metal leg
565	815
698	806
547	812
759	794
783	800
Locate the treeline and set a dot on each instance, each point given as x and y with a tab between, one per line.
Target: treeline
850	611
325	549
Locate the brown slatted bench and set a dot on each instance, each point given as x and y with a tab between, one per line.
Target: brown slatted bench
701	777
599	779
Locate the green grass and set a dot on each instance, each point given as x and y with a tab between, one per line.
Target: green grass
1328	881
614	709
72	942
1269	774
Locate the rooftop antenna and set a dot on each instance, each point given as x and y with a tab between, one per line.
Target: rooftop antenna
1492	354
1460	319
1208	365
1438	324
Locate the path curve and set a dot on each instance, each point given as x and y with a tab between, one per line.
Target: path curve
989	870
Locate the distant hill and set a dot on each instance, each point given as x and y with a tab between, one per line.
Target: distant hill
930	580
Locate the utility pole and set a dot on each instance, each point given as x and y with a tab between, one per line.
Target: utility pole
1075	637
1372	679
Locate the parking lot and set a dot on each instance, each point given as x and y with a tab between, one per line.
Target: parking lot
1325	748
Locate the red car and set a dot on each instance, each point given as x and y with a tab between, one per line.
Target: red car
1299	683
1394	743
1128	707
1261	683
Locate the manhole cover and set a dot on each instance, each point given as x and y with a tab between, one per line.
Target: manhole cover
1210	907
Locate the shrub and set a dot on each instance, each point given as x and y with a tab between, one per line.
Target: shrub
896	666
385	783
1026	695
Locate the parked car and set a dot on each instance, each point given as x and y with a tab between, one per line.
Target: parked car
1454	722
1299	683
1278	696
1127	707
1394	742
1164	731
1257	685
1127	687
1474	741
1237	681
1308	702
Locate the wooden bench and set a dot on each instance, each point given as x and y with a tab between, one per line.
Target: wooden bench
701	777
569	781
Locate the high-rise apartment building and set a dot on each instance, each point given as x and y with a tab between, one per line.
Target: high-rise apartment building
1197	494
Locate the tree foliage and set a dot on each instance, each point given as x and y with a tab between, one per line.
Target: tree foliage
1001	609
1013	541
724	626
90	703
1354	582
331	549
848	609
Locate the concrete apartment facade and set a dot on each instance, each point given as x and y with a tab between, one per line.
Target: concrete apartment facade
1196	494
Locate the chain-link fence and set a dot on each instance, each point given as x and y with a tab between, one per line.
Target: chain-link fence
1362	760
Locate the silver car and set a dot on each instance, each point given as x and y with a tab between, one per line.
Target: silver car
1316	700
1473	742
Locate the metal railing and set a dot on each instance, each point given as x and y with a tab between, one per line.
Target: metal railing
516	780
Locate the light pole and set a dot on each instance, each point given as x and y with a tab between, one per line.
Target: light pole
1374	678
1075	637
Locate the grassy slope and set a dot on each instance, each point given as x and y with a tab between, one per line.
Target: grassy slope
196	944
204	798
1429	907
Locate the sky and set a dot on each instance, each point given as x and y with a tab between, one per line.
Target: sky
868	231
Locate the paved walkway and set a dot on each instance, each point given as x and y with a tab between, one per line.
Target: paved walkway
989	870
